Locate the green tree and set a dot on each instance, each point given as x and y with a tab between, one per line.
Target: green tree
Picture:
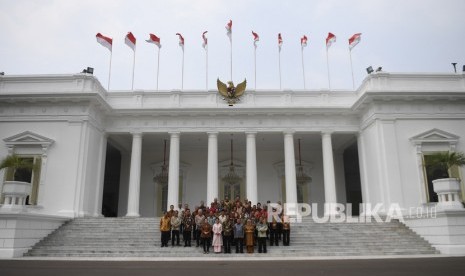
446	160
14	162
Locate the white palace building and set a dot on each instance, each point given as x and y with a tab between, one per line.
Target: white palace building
102	153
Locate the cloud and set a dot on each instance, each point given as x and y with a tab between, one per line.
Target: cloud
59	37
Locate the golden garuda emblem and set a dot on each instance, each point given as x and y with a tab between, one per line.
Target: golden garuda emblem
230	93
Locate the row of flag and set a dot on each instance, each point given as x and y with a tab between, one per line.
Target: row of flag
130	39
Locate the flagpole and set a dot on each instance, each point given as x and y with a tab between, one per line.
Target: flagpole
133	67
279	64
158	66
182	72
352	69
109	71
327	65
255	65
303	67
206	67
230	40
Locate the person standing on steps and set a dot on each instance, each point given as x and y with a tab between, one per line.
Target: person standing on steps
187	228
199	218
171	211
165	228
273	226
249	230
205	235
262	228
175	225
227	235
286	230
217	238
238	230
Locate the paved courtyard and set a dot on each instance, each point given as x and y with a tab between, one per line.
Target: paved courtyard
405	266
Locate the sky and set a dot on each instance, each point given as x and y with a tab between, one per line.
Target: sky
58	37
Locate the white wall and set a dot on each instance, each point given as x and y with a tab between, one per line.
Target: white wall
56	196
391	160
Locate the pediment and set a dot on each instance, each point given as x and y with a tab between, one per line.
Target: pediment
434	136
28	138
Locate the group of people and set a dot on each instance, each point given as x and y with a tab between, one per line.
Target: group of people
223	225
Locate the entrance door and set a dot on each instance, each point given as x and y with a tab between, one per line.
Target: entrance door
111	182
352	178
232	191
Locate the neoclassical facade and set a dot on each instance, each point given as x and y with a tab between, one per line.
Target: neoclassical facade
133	153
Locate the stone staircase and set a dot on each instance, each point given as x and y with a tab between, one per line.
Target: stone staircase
140	237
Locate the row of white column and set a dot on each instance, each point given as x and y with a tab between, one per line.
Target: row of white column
212	170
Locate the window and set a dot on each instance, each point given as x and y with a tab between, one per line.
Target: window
33	148
29	175
426	143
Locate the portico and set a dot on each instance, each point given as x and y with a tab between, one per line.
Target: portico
265	162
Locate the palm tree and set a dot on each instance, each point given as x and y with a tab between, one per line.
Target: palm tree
446	160
15	162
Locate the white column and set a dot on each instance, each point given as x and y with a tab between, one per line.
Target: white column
328	171
101	176
134	176
362	167
212	170
173	171
251	179
289	167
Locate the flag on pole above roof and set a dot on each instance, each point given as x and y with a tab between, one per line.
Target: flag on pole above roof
154	39
205	40
354	40
303	41
280	41
330	40
181	40
229	30
130	40
256	38
105	41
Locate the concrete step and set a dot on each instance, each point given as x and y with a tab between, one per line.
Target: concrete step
140	237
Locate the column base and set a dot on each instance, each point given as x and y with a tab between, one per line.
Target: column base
132	215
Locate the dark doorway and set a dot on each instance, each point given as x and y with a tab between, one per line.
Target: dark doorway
111	182
433	173
352	178
24	174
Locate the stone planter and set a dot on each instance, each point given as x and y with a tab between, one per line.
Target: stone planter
15	192
448	190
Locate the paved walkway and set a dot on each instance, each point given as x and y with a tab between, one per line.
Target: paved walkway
382	266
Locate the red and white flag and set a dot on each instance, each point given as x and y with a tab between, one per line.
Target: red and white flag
155	40
181	40
229	30
205	40
256	38
105	41
354	40
330	40
303	41
130	40
280	41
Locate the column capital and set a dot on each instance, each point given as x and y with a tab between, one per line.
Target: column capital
250	133
327	132
215	133
136	133
289	132
174	133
